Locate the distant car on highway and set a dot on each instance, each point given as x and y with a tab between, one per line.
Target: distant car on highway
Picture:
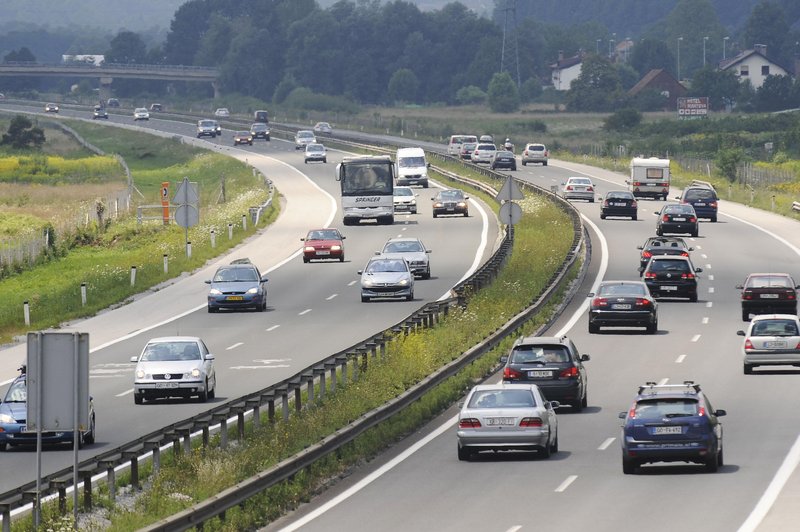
242	137
206	128
384	277
450	201
661	245
50	108
503	159
13	416
141	113
671	423
767	293
260	130
156	108
174	366
771	340
577	187
671	276
237	285
316	152
413	251
483	153
623	304
99	112
466	150
112	102
534	153
323	128
619	203
405	200
304	137
507	417
222	112
677	218
323	244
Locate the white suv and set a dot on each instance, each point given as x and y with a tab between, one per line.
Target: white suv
483	153
140	113
304	137
534	153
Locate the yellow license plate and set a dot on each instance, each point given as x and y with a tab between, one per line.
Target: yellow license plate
234	298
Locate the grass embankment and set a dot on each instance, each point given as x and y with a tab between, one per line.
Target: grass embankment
542	240
101	256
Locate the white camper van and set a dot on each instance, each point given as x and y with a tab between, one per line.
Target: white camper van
412	168
649	178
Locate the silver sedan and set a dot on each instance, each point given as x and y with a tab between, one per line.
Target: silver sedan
771	340
386	277
174	366
505	416
578	188
413	251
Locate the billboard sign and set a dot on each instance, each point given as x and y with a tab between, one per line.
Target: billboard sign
696	107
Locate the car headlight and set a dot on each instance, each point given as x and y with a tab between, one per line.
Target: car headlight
196	372
367	283
404	282
253	290
336	248
5	418
462	204
413	202
214	292
140	374
309	249
437	205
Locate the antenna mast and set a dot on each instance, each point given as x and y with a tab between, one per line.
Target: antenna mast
509	55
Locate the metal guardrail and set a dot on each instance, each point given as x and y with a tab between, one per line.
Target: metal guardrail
796	205
352	360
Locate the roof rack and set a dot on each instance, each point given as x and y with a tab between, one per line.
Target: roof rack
697	182
652	388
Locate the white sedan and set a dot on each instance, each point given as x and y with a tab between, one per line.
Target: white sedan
771	340
578	188
222	112
405	200
140	113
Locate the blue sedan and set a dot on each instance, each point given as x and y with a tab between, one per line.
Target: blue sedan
238	285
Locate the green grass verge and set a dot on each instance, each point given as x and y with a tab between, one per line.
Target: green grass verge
542	240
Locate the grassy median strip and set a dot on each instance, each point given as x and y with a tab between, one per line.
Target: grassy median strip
542	240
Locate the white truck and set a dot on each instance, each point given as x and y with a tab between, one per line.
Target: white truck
649	177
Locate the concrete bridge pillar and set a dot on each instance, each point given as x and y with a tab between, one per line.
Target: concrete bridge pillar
105	89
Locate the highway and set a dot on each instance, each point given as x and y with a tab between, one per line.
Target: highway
314	309
421	485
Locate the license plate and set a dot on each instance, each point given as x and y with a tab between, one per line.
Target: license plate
769	296
617	204
539	373
775	343
668	430
700	204
235	298
621	306
166	385
323	252
580	189
679	219
506	421
451	208
669	288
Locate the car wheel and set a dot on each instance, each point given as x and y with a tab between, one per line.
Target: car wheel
325	161
524	163
306	259
554	447
464	454
602	216
591	200
202	397
466	214
263	306
211	310
545	451
427	274
634	217
434	215
89	436
695	233
593	328
410	297
585	400
628	466
720	458
693	298
652	328
414	211
212	393
748	369
305	161
138	398
659	232
713	218
2	447
712	463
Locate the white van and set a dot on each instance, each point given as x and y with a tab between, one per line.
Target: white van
649	178
454	146
412	168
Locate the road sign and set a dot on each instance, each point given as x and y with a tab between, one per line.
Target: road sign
510	191
186	215
186	193
510	213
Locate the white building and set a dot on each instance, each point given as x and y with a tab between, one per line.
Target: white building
753	65
565	71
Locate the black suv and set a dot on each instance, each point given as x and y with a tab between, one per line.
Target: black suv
703	198
768	293
260	130
672	276
661	245
674	218
553	364
671	423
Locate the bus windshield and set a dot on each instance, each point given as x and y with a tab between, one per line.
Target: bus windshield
366	179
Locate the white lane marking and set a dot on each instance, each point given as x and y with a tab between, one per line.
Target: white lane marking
404	229
680	359
704	256
773	490
331	297
708	266
698	247
479	252
710	277
514	528
564	485
268	329
710	289
695	338
447	425
605	444
126	392
351	283
306	311
709	304
705	320
663	381
234	346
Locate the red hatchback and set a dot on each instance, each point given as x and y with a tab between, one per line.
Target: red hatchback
323	244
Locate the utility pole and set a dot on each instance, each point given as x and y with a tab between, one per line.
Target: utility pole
679	58
704	50
510	46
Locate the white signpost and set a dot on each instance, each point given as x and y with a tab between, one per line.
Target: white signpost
187	213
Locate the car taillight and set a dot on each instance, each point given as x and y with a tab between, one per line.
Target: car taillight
569	187
791	295
599	302
546	153
748	344
665	218
747	295
590	189
605	203
701	410
637	184
469	423
642	302
649	275
684	254
531	422
692	219
689	275
646	254
713	204
632	412
797	346
569	372
509	373
634	204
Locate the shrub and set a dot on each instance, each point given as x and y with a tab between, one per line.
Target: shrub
622	120
470	95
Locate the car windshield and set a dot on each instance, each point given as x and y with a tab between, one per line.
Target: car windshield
411	162
668	265
207	123
401	191
535	147
661	408
487	147
315	147
502	398
242	133
451	195
528	354
171	351
781	327
233	275
305	134
258	127
323	234
768	281
619	195
403	247
678	209
622	289
378	266
17	393
367	179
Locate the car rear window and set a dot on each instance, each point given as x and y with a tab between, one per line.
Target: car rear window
700	194
502	398
528	354
622	289
661	408
775	328
766	281
669	266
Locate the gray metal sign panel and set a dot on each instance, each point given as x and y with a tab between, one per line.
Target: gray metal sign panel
186	215
510	213
510	191
56	362
186	194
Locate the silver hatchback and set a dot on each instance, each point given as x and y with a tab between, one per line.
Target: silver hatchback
534	153
483	153
771	340
174	366
504	417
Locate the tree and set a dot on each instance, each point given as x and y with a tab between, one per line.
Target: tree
777	93
597	88
20	83
21	55
215	42
403	86
728	160
22	134
470	94
767	25
651	54
530	90
503	95
622	120
721	86
127	47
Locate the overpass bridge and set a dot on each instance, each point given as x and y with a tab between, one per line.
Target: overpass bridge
107	72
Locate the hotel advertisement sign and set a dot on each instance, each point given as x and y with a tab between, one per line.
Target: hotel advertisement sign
693	107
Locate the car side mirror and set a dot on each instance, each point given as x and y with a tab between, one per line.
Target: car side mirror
134	359
504	359
690	249
433	199
590	294
656	212
360	272
428	251
720	413
209	356
739	287
585	358
677	197
342	237
461	404
466	198
741	333
622	415
264	279
302	239
554	404
698	270
377	252
639	247
428	165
